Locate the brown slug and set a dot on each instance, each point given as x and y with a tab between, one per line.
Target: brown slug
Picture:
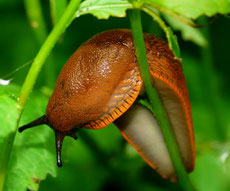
101	81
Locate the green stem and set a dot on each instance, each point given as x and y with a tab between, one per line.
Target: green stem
173	45
37	22
155	101
36	67
34	13
45	51
162	24
57	8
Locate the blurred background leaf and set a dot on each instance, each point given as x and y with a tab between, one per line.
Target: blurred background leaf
187	32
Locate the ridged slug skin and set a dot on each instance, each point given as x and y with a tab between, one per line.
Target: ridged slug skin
101	81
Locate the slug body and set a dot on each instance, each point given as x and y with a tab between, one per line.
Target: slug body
101	81
97	85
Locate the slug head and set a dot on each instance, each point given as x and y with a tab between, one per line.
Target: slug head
59	135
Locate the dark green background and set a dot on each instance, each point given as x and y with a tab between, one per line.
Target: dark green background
118	167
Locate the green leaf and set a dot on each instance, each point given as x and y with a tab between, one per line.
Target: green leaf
188	33
8	118
33	154
211	169
8	114
9	90
103	9
192	8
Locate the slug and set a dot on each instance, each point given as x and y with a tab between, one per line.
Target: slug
99	85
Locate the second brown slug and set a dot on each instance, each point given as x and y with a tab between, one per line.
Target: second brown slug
99	85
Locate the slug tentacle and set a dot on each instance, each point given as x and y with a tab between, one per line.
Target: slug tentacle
59	137
40	121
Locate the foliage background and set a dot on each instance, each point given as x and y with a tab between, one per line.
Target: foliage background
102	160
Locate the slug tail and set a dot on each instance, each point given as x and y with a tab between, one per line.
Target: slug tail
41	120
141	130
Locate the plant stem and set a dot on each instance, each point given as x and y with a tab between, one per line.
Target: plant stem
34	14
57	8
36	67
37	22
45	51
155	101
161	23
173	45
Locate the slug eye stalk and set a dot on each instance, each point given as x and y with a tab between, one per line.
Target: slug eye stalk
40	121
59	137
